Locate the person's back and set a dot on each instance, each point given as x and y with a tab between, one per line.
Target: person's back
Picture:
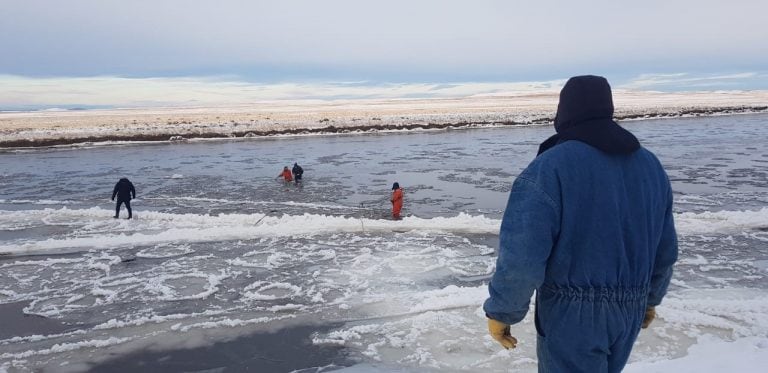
124	191
606	217
589	226
612	214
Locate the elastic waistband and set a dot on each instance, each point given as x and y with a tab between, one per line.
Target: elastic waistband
598	294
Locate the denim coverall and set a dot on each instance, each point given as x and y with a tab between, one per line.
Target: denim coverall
593	234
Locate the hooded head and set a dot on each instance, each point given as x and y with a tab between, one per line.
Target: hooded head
395	186
584	99
585	113
124	180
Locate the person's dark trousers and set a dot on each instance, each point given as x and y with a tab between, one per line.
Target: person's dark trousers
127	206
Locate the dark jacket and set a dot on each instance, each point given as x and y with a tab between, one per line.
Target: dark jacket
124	190
297	170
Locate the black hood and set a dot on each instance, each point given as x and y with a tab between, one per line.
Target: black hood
124	180
585	113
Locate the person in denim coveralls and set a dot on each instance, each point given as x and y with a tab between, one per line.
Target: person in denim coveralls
589	227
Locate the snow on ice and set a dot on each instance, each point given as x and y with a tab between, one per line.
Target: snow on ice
250	256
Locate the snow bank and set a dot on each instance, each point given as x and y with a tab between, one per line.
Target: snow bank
713	355
157	227
704	330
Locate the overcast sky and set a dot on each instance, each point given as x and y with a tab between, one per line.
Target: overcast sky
379	42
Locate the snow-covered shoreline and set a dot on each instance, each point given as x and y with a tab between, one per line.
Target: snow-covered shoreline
56	127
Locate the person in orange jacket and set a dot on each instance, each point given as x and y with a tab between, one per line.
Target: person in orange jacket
286	174
397	200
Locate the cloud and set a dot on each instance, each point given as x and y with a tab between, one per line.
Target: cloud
688	81
21	92
398	40
18	91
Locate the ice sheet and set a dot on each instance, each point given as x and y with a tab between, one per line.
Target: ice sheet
227	251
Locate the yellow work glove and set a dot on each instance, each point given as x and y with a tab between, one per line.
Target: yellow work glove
650	314
500	332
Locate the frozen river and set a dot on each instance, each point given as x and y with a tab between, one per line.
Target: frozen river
225	268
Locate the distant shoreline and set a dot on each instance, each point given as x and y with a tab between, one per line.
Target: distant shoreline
182	137
54	129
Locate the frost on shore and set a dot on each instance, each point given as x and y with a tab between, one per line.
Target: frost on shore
45	128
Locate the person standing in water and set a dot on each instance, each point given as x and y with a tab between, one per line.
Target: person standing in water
124	191
286	175
397	200
297	172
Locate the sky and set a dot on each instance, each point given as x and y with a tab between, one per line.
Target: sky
83	51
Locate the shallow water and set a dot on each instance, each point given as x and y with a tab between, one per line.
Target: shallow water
220	250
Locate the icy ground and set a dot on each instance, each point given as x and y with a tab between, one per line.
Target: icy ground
284	116
221	254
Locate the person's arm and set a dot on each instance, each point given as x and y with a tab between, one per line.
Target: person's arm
114	191
133	191
666	256
529	230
